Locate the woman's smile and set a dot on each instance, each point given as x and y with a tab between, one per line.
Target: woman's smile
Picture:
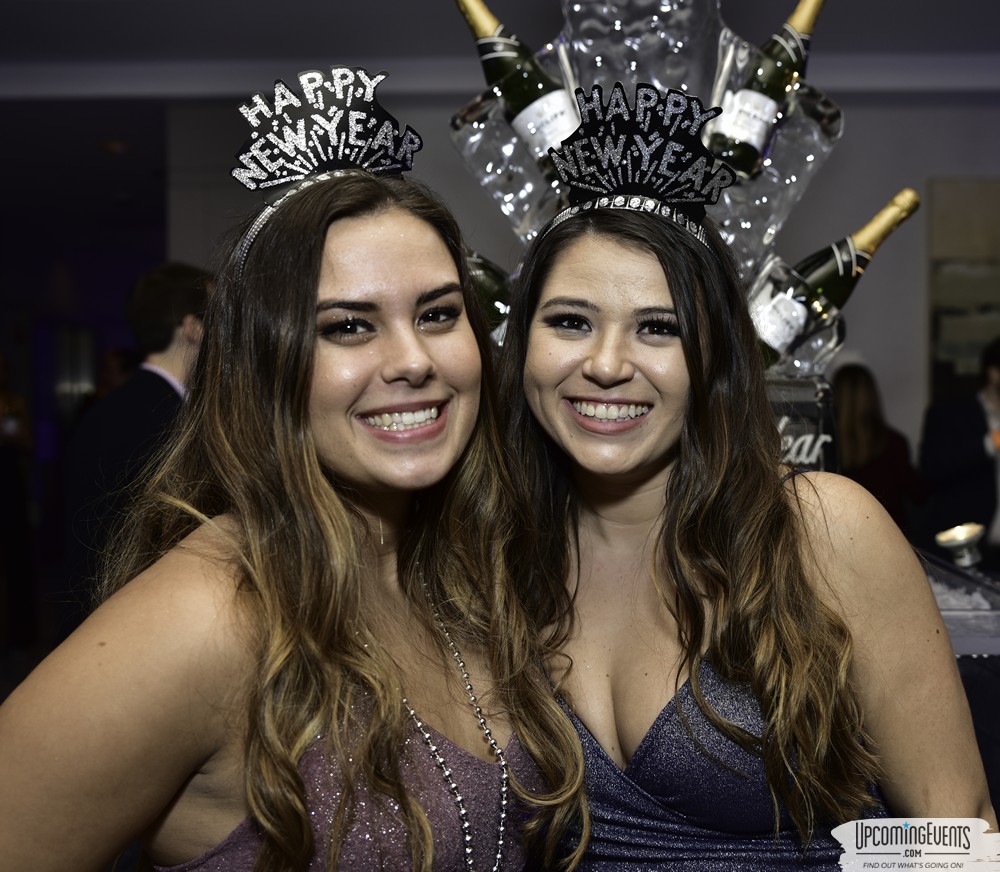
407	419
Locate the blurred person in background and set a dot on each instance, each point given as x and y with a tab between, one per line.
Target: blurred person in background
121	432
117	364
871	452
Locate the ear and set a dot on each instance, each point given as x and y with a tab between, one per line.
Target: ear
191	329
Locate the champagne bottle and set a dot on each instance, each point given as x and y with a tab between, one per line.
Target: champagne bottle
541	111
789	304
779	317
743	132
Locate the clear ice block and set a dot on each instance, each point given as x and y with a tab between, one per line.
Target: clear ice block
667	44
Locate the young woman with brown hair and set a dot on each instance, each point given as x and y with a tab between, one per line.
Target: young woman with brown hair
309	655
751	655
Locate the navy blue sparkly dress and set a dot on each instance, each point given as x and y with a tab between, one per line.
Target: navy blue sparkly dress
674	807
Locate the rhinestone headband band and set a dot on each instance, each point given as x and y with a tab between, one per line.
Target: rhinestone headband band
333	126
635	203
265	214
647	157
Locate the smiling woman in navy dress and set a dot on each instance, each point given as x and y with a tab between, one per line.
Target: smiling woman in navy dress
751	655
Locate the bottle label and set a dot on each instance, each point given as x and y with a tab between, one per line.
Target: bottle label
747	116
779	321
545	123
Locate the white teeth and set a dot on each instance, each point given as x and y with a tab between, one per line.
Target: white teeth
403	420
610	411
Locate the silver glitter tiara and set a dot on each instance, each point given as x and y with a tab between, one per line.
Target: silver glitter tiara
647	157
335	125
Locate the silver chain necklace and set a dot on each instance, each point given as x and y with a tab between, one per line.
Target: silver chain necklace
456	794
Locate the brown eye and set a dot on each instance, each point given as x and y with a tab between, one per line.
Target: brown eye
440	316
659	327
567	321
346	330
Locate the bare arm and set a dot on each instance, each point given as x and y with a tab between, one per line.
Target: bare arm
915	705
101	737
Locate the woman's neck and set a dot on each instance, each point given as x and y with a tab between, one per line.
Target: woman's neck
623	515
617	533
616	536
386	520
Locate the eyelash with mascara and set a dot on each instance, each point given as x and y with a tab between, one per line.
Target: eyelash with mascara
666	325
350	328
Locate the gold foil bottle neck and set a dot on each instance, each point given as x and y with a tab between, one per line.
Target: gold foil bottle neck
481	21
869	237
803	17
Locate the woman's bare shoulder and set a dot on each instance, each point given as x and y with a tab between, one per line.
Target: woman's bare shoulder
200	574
148	690
189	605
854	548
835	508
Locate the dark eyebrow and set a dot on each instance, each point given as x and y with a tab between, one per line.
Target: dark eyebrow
573	302
349	305
436	294
569	301
364	306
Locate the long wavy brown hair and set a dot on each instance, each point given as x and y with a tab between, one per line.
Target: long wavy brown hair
730	546
245	451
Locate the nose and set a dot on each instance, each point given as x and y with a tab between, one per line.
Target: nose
607	362
408	358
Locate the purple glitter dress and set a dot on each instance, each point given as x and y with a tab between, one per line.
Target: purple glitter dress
675	807
377	839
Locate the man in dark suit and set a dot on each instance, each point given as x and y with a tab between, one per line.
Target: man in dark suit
121	433
959	454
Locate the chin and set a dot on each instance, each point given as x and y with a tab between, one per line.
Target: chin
417	481
617	468
607	465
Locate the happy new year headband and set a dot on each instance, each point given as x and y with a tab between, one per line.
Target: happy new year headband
335	126
647	157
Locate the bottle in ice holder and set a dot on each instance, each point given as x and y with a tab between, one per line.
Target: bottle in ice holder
536	104
831	274
741	135
779	317
790	344
791	304
812	355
